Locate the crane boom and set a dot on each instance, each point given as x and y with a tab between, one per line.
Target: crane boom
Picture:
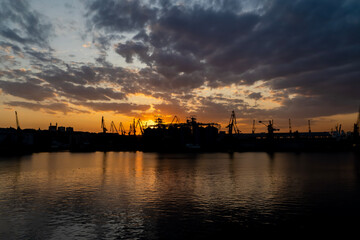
132	130
113	128
270	128
122	129
103	125
175	120
17	121
141	126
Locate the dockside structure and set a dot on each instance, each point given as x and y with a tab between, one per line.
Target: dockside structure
175	137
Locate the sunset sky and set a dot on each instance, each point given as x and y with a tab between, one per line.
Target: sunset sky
72	62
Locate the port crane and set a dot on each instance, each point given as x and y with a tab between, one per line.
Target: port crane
140	125
17	121
270	127
290	129
121	129
103	125
232	124
134	126
175	120
132	129
113	128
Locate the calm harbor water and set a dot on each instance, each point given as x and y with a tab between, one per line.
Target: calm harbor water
135	195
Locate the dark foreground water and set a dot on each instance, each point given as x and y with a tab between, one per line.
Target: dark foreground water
123	195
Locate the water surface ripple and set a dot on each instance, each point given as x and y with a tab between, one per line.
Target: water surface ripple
135	195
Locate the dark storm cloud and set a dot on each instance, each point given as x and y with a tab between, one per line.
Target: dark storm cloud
57	77
255	95
20	24
102	41
27	33
27	90
40	57
72	84
309	48
130	48
79	92
77	83
122	108
84	82
51	108
200	31
216	107
123	15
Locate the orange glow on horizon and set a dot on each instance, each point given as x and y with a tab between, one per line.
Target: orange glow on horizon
91	122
